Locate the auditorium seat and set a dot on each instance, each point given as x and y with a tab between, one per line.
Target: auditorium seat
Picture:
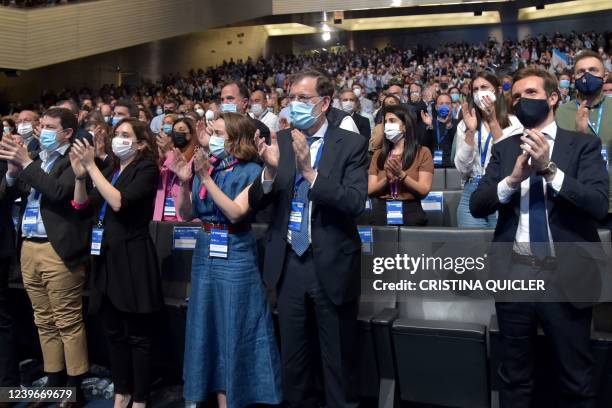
388	395
439	180
453	179
442	363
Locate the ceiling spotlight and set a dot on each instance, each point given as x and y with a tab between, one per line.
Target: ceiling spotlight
326	36
396	3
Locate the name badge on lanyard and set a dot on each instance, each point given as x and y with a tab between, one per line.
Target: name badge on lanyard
437	157
97	233
368	204
395	213
32	212
365	233
296	216
218	243
169	208
483	152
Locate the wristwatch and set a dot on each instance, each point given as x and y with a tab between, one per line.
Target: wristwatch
548	170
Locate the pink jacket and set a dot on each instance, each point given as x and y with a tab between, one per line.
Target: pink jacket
165	178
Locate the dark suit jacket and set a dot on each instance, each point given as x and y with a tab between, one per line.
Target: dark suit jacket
363	124
68	231
572	213
430	139
338	197
335	116
127	271
7	232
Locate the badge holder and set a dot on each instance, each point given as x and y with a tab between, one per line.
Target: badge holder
218	243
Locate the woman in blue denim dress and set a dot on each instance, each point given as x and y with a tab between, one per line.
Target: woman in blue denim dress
230	348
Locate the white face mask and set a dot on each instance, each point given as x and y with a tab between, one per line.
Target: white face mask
257	109
210	115
393	132
479	98
348	106
357	92
24	129
123	148
200	112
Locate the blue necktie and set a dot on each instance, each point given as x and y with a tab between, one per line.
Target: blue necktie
299	239
538	221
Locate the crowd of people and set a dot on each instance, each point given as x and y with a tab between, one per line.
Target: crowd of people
313	137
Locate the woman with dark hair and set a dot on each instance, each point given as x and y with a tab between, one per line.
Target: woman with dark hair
8	126
401	172
184	139
125	282
230	349
485	121
378	133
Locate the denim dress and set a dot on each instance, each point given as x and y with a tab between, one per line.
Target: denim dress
230	344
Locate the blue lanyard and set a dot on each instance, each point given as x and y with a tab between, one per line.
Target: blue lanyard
483	153
440	139
298	177
599	115
105	205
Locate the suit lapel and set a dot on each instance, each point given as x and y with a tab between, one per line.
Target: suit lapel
515	153
331	145
561	155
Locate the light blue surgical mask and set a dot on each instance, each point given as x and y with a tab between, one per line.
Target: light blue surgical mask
6	130
48	140
216	145
115	120
167	128
228	107
454	97
564	83
301	115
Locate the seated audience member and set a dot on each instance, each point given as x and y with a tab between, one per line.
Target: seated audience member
401	172
350	104
259	111
28	127
565	90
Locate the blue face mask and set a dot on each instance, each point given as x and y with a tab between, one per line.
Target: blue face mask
167	129
228	107
115	120
589	84
48	140
506	86
443	111
301	115
564	83
454	97
216	145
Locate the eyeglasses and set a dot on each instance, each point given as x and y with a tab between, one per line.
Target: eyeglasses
301	98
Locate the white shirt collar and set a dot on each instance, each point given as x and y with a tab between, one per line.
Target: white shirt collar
46	155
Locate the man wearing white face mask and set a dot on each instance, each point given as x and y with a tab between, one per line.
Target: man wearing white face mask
367	106
27	127
258	111
54	242
350	104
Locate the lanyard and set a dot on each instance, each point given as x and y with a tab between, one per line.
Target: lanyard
298	177
105	205
483	153
599	115
440	139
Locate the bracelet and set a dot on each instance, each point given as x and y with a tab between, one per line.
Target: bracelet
81	178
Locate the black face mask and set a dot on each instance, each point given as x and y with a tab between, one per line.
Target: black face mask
168	111
179	139
531	112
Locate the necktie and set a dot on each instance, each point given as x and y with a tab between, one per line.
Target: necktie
538	221
299	239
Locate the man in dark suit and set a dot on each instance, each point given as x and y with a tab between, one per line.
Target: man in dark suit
315	178
350	105
54	245
9	359
550	187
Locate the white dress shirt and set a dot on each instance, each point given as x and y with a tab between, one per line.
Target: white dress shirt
314	149
467	158
504	193
269	119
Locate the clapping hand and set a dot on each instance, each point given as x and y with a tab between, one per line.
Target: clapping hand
84	152
269	154
180	166
201	164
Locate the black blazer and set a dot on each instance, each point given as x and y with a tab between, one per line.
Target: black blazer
363	124
127	271
7	232
430	140
67	231
335	116
338	197
572	213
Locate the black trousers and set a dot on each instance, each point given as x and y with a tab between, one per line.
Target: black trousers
307	317
9	357
568	330
130	339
